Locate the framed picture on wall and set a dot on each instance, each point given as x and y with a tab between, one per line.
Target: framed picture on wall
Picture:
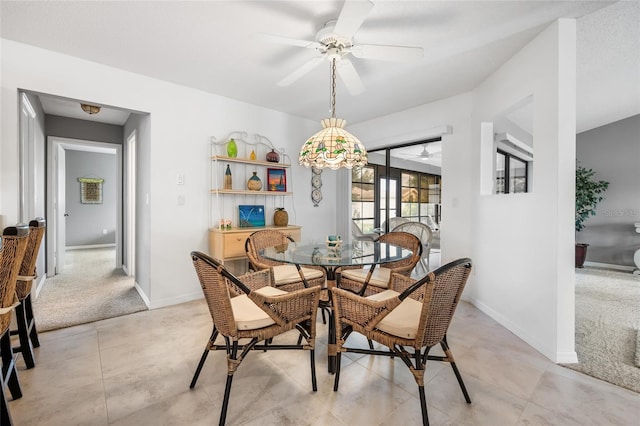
91	190
277	180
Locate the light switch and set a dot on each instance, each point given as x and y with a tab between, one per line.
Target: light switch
181	200
180	179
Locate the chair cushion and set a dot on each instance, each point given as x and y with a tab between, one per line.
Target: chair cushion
248	315
379	278
287	274
403	320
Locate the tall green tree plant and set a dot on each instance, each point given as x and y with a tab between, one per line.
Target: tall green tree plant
588	194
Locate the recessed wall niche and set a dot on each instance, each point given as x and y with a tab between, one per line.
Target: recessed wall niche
507	150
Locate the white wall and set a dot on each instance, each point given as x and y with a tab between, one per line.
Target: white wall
182	120
523	243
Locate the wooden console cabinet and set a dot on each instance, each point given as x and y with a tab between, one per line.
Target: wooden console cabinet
229	244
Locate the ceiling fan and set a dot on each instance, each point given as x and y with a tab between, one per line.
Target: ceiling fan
423	156
335	41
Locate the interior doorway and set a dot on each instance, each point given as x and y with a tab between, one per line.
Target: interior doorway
57	186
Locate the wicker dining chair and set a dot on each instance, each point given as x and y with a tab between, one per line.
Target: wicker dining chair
353	278
14	243
249	307
26	331
409	319
286	276
424	234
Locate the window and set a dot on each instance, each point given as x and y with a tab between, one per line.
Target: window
420	196
363	197
511	174
413	195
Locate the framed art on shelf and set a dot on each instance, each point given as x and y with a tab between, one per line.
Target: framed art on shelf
277	180
251	216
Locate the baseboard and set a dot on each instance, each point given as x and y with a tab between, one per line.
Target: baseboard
541	347
610	266
142	294
89	246
162	303
567	357
125	269
39	284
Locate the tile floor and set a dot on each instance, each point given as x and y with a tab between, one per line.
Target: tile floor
136	369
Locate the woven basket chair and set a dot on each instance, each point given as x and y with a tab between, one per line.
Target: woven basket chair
14	244
409	319
249	307
424	234
366	283
27	333
286	276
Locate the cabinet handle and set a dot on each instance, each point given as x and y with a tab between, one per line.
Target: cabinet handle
238	239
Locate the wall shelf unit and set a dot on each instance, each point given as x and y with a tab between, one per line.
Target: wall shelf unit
228	244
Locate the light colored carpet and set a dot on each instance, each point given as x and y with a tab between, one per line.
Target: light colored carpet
607	323
89	289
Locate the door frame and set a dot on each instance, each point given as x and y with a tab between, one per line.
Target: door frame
56	151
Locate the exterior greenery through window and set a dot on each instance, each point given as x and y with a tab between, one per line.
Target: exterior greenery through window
512	174
415	197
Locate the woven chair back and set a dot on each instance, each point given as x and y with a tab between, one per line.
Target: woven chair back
216	292
420	230
260	240
28	266
14	244
438	309
405	240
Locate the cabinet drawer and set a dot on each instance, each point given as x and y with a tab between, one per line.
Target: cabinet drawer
234	244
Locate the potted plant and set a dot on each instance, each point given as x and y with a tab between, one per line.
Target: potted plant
588	195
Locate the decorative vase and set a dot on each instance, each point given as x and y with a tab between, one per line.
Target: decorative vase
232	148
254	183
280	217
273	156
252	156
227	178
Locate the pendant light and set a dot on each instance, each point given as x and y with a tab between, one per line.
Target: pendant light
333	146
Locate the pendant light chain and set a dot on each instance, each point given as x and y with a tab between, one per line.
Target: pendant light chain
333	88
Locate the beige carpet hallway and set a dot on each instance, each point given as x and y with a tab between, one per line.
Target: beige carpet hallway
89	289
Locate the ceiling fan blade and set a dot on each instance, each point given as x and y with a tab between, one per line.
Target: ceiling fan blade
350	77
352	16
304	69
288	41
387	53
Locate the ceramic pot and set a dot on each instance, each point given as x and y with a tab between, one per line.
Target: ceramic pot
280	217
273	156
254	183
581	254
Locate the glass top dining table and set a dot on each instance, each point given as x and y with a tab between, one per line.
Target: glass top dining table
332	255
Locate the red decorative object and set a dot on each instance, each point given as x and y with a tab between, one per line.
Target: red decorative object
273	156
